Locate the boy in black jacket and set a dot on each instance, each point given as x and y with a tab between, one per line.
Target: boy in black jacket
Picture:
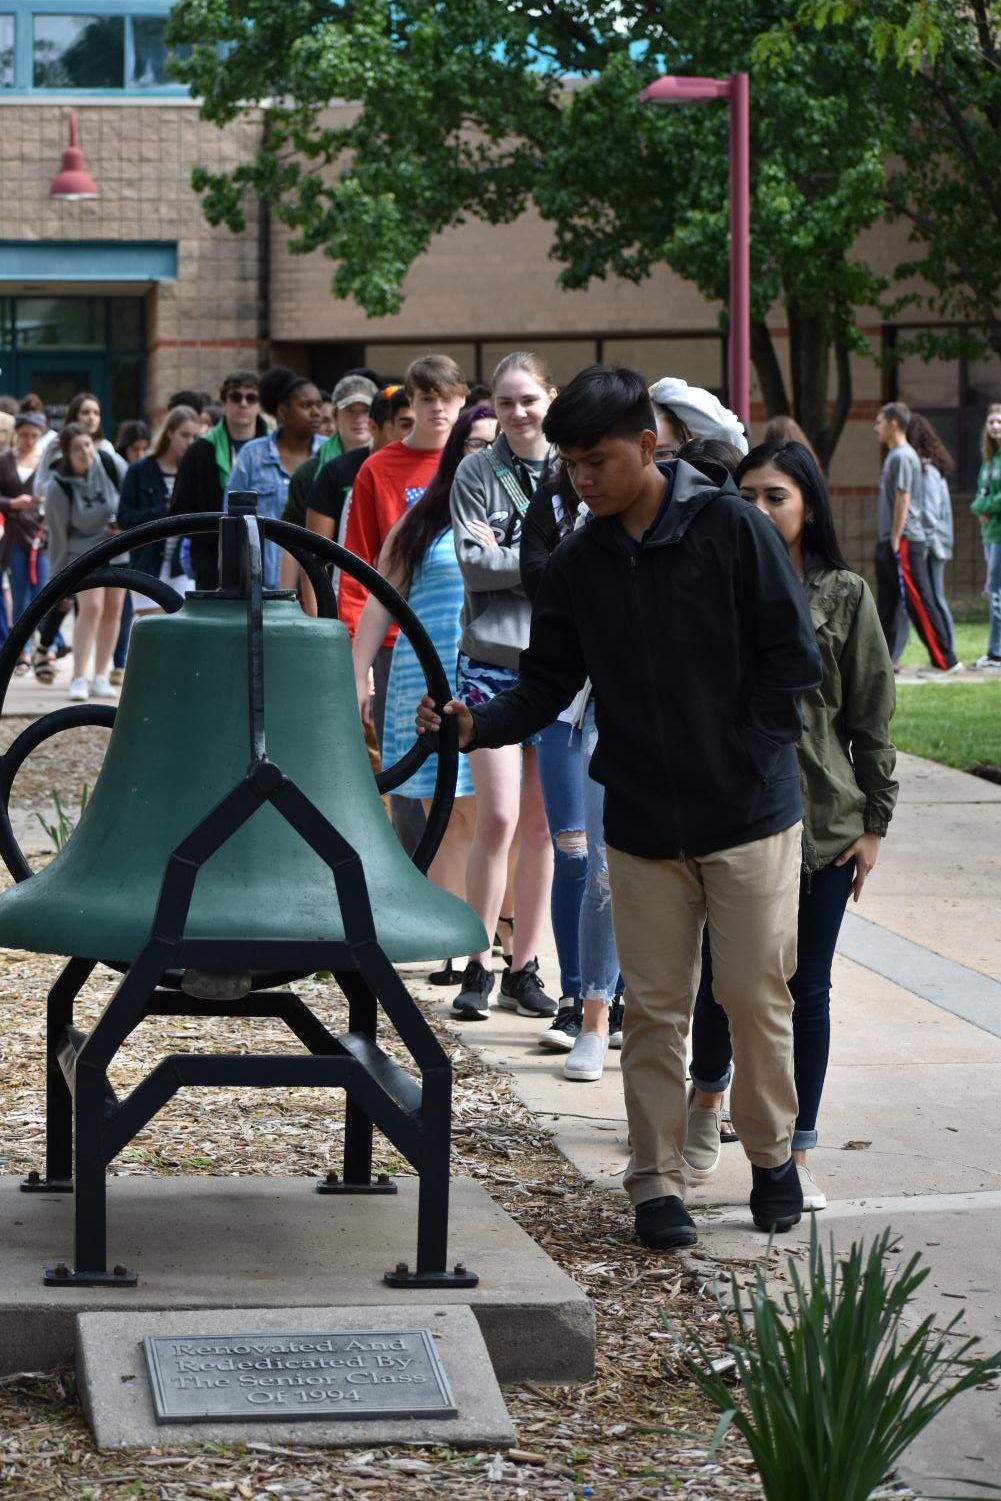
678	600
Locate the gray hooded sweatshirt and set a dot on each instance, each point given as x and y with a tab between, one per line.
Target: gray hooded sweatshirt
496	611
78	509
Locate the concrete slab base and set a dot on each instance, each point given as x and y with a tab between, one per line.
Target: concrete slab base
115	1390
273	1242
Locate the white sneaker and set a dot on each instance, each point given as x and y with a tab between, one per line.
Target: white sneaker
940	672
586	1060
101	688
986	664
813	1195
78	690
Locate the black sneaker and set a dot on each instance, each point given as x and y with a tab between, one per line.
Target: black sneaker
615	1013
565	1030
665	1224
472	1004
521	990
776	1196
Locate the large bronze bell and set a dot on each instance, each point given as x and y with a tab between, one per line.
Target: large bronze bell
236	838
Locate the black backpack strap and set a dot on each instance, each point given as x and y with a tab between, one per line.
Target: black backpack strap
110	468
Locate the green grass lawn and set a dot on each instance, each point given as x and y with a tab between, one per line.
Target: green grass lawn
955	723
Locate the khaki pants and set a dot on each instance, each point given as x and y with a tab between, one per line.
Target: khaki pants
749	895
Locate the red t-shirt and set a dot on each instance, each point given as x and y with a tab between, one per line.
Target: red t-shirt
387	483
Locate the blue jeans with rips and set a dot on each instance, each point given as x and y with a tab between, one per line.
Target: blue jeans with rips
559	752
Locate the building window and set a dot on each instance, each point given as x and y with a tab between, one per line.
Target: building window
149	53
114	46
79	52
6	52
60	323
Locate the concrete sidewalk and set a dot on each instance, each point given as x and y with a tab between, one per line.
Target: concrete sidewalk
910	1133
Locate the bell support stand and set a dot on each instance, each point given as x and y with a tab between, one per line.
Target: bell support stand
86	1124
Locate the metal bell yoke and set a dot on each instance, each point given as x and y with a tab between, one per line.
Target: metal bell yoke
235	841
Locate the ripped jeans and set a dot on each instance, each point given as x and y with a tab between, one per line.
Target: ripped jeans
599	963
559	752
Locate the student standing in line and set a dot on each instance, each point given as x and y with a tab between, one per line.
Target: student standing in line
22	548
81	504
679	601
206	467
846	763
419	560
146	491
490	496
267	464
987	509
390	481
936	465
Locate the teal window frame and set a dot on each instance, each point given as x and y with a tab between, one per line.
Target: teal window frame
24	12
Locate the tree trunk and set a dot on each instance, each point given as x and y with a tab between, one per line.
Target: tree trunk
809	347
832	430
769	371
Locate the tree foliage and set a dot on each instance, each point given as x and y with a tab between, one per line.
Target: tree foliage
472	108
940	85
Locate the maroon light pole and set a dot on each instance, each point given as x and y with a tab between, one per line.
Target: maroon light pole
675	90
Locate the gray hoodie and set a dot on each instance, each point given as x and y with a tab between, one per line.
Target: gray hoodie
496	611
78	509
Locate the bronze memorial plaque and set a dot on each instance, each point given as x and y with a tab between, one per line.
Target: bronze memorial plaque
211	1378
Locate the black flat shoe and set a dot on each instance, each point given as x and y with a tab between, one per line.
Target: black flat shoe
665	1224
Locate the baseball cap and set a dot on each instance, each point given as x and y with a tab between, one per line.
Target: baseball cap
352	388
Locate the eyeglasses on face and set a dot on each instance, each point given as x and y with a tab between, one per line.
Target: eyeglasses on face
474	445
243	398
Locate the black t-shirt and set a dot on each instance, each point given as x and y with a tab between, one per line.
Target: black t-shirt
333	484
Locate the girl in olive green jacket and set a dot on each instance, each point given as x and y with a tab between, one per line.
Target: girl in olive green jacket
987	508
846	762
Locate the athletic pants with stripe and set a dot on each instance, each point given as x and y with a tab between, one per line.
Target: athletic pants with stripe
908	573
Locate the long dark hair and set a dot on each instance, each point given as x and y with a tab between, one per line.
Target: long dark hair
820	540
928	445
73	413
431	515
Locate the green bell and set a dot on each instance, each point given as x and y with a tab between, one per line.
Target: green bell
178	747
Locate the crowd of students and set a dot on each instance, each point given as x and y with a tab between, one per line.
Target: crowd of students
673	692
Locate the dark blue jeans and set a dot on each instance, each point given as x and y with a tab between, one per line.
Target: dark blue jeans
823	897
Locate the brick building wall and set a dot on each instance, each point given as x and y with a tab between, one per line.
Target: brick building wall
141	156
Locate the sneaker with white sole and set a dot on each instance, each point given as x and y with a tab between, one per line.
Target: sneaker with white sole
586	1062
561	1036
101	687
701	1151
78	690
472	1004
931	671
521	991
986	664
615	1013
814	1196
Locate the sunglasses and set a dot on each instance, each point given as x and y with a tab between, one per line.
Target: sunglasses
243	398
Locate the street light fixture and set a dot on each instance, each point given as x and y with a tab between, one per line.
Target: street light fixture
73	180
675	90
